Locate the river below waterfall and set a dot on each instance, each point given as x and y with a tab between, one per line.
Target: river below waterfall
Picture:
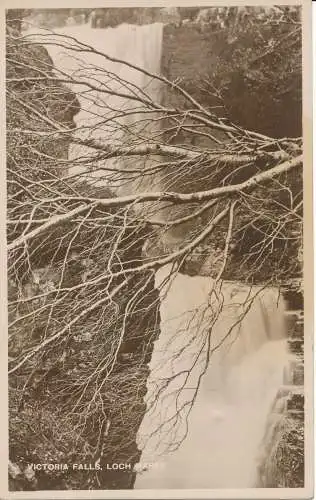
216	431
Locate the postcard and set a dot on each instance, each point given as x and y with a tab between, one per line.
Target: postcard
157	308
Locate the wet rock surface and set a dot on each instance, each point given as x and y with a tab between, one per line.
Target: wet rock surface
284	463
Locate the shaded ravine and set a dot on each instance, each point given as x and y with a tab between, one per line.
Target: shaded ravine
230	413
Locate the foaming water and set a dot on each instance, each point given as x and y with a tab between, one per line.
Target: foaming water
228	419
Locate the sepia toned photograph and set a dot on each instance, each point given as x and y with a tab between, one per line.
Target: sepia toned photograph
155	213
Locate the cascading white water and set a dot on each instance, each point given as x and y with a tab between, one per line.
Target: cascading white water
118	121
228	419
231	408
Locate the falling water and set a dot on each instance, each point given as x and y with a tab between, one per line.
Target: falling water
221	446
118	121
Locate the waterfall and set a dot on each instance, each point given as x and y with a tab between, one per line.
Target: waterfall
226	427
217	441
118	121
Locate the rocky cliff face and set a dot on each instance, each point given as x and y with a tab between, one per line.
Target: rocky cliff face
283	464
226	69
50	421
245	61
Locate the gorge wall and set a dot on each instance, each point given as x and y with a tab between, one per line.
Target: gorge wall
224	69
41	394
